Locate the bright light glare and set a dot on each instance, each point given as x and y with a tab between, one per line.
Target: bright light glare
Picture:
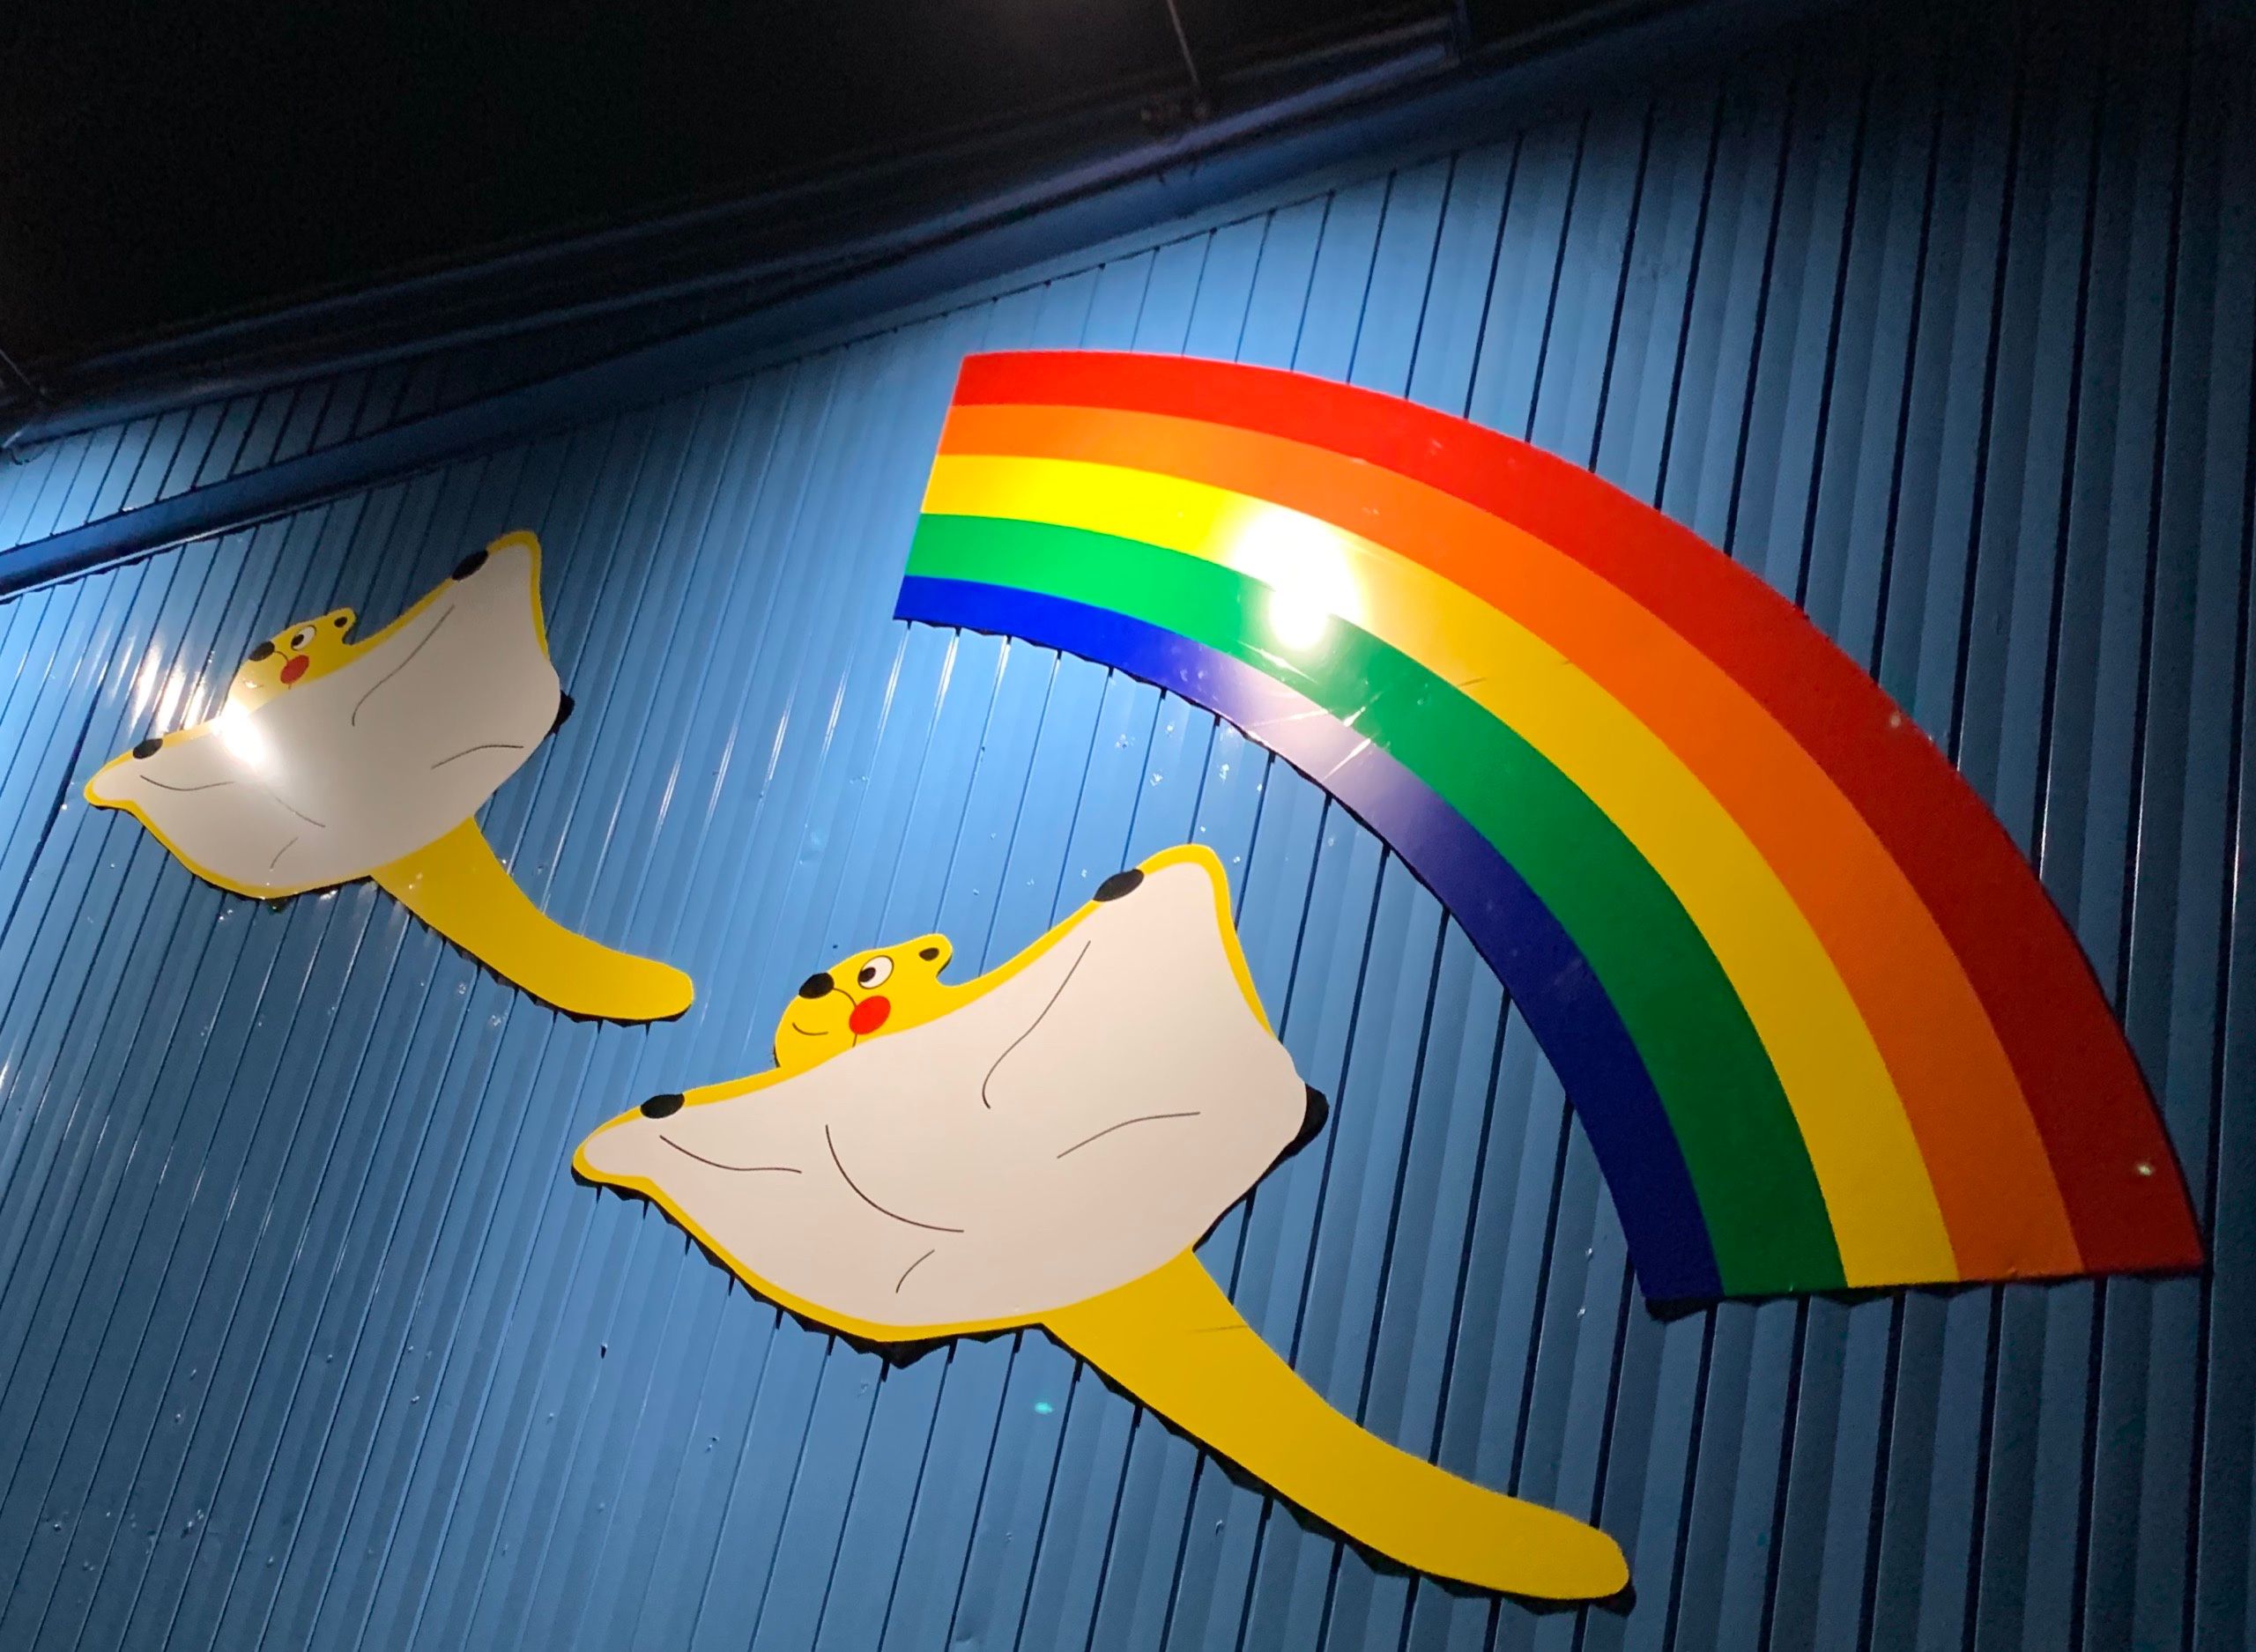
1297	622
1307	569
243	737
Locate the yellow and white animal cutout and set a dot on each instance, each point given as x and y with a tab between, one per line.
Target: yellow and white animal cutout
334	760
1045	1145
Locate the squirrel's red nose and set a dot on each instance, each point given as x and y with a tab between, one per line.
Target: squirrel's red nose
869	1015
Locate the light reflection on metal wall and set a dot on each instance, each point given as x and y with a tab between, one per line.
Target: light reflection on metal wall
308	1337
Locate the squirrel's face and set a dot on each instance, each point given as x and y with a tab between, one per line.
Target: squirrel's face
887	989
308	649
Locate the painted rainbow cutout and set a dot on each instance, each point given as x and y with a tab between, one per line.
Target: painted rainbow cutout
1821	1022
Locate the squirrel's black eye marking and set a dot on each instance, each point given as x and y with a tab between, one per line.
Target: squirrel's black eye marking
1120	884
342	620
928	953
815	985
264	651
662	1107
148	747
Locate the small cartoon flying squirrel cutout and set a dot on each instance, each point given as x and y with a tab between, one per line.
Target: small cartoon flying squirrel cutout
333	759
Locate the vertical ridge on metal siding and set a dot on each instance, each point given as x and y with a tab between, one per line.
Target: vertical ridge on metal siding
308	1337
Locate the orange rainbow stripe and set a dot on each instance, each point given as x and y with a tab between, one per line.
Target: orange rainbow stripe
1822	1026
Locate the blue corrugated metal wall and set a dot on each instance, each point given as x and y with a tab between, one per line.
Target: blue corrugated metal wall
307	1337
111	472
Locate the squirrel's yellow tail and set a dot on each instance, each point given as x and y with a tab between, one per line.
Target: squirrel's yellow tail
460	888
1175	1340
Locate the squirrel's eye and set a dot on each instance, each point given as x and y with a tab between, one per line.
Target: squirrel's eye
302	637
876	973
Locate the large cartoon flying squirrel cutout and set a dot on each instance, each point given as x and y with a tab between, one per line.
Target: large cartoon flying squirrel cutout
334	760
1044	1146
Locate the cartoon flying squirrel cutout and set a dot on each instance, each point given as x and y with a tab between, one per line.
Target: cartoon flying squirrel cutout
334	760
1044	1145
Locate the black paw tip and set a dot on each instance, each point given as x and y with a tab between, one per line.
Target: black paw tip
662	1107
264	651
815	985
1120	884
564	706
1315	1111
470	564
148	747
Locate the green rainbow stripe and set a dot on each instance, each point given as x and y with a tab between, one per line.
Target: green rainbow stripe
1758	1191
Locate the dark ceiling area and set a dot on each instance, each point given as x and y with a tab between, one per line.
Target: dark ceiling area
165	165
